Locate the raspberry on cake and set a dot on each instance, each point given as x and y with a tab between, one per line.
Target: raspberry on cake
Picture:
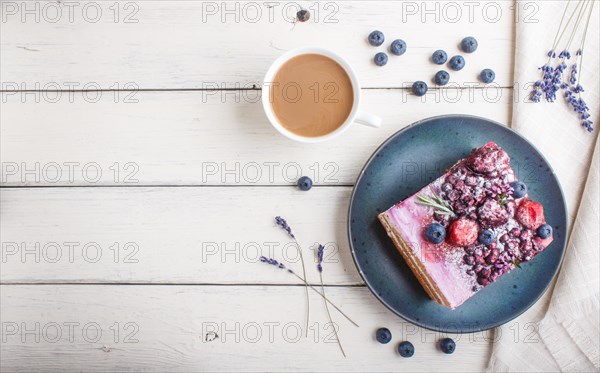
468	227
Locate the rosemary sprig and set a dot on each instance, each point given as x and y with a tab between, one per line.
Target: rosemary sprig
437	203
501	199
516	263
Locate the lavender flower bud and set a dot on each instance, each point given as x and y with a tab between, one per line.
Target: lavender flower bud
320	251
284	225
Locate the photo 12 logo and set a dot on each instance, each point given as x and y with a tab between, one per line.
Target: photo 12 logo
14	332
267	331
251	252
269	172
516	332
69	172
453	92
69	252
269	11
69	11
69	92
468	11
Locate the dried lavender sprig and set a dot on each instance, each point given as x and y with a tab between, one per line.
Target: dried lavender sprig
275	263
281	222
284	225
557	40
551	52
574	88
587	24
279	265
575	27
584	114
552	76
320	252
580	16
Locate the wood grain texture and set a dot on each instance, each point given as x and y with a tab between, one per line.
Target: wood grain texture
171	235
197	44
194	138
164	328
159	188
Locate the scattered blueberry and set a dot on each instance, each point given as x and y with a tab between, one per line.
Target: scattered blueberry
383	335
487	75
303	15
419	88
406	349
435	232
442	77
545	231
447	345
398	47
376	38
468	44
305	183
519	189
486	236
381	59
439	57
457	63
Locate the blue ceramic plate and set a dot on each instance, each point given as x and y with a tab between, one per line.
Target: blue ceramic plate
414	157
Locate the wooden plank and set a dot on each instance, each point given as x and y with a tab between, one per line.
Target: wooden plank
171	235
197	44
164	328
200	138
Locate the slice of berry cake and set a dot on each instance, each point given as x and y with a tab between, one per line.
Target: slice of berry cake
468	227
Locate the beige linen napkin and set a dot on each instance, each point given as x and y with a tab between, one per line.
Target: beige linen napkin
562	331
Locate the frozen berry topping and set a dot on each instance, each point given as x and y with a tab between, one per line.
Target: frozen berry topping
490	158
530	214
491	217
463	232
492	214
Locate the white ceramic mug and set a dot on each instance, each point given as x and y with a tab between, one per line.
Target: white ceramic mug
355	114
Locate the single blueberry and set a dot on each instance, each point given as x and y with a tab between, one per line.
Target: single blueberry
305	183
487	75
468	44
398	47
442	77
457	63
419	88
383	335
381	59
447	345
486	236
376	38
544	231
439	57
519	189
435	232
406	349
303	15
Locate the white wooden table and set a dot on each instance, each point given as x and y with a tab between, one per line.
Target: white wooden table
140	179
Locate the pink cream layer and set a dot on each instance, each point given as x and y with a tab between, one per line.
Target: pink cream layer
443	261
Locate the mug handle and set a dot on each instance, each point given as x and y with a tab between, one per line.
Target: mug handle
368	119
